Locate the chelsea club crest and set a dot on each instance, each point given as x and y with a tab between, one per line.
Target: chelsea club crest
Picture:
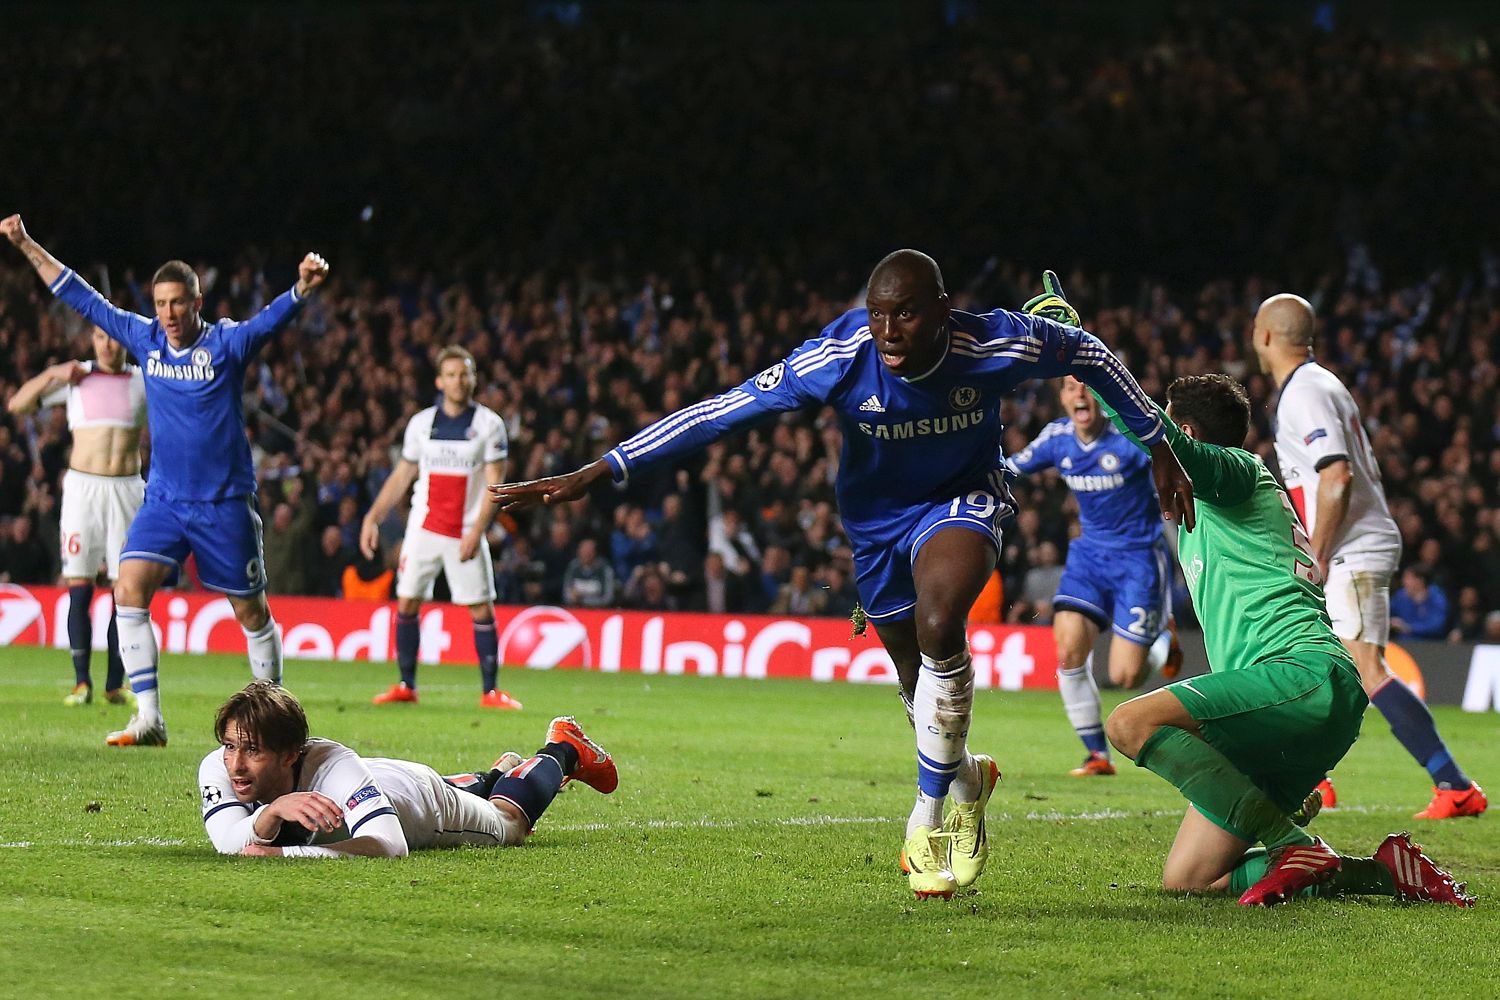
963	397
1108	462
201	357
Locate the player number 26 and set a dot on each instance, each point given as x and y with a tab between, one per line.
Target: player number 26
979	504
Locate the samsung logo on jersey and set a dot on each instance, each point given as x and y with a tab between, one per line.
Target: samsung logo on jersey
1094	484
182	373
925	427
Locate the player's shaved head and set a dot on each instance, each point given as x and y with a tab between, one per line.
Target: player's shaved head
1288	318
912	270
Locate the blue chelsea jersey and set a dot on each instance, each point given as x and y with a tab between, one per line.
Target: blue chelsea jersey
1110	477
194	395
907	440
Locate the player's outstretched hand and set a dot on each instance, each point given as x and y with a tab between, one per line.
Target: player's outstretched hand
1173	486
552	490
1052	304
313	810
310	273
13	229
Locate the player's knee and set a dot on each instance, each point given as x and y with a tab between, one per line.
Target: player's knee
1185	880
1127	730
407	607
941	632
253	615
514	826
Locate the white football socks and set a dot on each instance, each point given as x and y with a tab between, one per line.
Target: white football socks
264	649
1160	650
942	709
138	654
1080	698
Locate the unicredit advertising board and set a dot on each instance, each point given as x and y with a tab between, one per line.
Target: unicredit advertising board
754	646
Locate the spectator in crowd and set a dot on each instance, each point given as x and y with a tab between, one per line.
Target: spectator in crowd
1039	587
589	582
799	596
333	558
1420	608
720	592
23	557
647	590
555	555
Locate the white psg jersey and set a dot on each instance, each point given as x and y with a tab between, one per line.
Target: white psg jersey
377	797
451	453
1317	424
103	399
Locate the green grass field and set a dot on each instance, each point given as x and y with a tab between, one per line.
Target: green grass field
749	852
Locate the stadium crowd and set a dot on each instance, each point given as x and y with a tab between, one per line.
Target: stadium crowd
1185	142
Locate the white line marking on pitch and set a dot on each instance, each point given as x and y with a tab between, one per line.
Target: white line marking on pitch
1050	816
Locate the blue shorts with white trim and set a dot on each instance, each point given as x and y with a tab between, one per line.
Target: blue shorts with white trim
223	535
1123	587
883	558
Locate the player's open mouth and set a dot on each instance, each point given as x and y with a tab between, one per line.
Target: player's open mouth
892	360
241	786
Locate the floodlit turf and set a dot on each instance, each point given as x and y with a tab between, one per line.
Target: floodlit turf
749	852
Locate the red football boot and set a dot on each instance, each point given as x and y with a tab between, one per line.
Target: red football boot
1418	879
1292	870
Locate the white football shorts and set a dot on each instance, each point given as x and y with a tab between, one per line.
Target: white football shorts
435	814
424	554
96	514
1358	592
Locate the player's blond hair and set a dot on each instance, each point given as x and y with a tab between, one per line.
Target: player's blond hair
453	351
267	713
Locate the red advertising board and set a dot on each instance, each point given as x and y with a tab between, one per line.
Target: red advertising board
542	638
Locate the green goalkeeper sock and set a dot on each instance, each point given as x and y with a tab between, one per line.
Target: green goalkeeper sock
1207	779
1357	877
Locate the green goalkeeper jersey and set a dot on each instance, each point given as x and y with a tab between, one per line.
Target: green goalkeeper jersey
1248	563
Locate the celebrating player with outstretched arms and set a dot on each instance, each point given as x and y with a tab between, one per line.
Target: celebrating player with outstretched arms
917	387
102	490
201	495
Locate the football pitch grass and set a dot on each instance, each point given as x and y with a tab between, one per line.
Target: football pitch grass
750	851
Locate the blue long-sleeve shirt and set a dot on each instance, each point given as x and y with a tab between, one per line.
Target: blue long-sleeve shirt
193	395
907	439
1425	619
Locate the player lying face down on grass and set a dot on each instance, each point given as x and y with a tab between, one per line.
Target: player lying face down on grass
1247	743
917	387
271	790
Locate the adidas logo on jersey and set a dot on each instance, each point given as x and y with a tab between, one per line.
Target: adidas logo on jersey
871	405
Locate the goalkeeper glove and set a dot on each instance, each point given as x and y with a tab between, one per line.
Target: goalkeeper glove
1051	304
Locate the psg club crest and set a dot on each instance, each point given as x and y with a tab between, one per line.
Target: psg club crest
201	356
1108	462
963	397
770	378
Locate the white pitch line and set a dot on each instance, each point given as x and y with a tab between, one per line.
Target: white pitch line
705	823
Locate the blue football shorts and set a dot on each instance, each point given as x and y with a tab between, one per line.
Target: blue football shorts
883	558
223	535
1127	588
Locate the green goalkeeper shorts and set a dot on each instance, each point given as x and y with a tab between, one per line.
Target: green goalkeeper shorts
1284	723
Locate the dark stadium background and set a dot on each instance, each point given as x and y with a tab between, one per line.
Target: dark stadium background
621	207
